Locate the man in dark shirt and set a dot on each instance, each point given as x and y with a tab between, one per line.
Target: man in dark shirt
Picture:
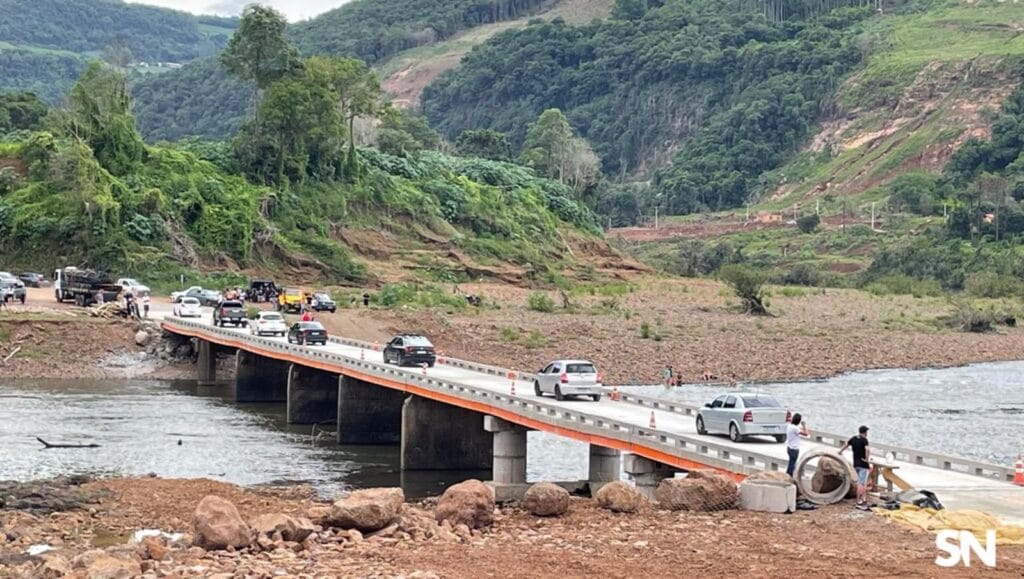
861	454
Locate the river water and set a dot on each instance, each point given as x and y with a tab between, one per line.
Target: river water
180	430
972	411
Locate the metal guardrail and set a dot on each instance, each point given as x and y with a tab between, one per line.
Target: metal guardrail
904	454
537	410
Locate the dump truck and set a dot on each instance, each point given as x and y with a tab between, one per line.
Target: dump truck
83	286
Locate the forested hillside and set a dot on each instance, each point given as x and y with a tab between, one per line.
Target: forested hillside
46	44
711	85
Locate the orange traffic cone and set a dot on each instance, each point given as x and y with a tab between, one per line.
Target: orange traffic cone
652	421
615	393
1018	471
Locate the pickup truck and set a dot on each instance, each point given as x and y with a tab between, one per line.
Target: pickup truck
134	286
230	312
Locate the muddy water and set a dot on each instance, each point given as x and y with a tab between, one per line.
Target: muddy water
177	429
974	411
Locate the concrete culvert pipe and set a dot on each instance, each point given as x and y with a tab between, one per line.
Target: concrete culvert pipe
804	484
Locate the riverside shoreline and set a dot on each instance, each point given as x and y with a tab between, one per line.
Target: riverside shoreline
585	542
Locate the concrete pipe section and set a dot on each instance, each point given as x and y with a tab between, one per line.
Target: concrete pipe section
833	496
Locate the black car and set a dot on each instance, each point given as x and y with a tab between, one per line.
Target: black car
230	312
261	290
33	279
410	349
324	303
307	333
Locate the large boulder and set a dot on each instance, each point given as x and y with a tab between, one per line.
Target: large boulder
829	476
282	527
545	499
367	510
772	475
142	338
701	490
219	526
620	497
469	503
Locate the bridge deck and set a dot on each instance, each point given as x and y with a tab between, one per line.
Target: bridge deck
615	424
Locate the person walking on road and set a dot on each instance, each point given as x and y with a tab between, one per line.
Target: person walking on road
861	455
145	305
794	430
666	376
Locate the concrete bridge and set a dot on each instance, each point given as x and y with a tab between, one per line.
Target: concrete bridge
461	415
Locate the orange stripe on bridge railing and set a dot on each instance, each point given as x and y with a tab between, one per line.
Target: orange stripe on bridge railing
481	407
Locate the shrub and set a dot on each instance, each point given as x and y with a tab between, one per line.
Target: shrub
541	302
535	340
968	318
509	334
645	330
994	285
748	285
808	223
903	285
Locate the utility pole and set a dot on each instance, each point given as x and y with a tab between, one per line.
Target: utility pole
655	217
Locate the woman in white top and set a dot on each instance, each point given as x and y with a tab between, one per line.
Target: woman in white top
794	430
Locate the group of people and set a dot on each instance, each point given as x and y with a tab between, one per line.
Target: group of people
265	293
134	307
675	378
797	429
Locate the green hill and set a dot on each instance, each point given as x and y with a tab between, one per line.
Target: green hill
46	44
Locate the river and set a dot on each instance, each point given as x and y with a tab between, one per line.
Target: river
974	411
180	430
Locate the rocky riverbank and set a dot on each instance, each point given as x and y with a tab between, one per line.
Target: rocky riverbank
211	529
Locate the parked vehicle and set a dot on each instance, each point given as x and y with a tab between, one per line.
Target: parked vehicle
323	303
410	349
82	285
307	333
11	288
744	414
268	323
129	284
230	312
568	378
188	308
261	290
206	297
33	279
291	300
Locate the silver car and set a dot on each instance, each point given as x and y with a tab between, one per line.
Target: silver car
568	378
742	414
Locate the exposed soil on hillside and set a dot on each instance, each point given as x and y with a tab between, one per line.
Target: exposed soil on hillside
588	541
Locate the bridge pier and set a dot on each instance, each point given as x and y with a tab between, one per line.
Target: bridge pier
207	362
605	466
647	474
437	436
368	414
508	473
312	395
260	379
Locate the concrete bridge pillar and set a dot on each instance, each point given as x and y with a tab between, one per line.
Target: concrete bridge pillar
207	362
605	466
312	395
508	475
368	414
260	379
438	436
647	474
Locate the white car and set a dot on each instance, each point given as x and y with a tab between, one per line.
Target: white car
133	285
743	414
188	308
268	323
568	378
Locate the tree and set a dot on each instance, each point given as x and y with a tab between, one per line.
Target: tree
548	144
582	167
484	143
748	285
99	112
357	93
21	111
402	134
259	51
808	223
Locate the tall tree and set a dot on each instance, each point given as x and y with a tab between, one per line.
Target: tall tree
484	143
99	113
548	143
259	51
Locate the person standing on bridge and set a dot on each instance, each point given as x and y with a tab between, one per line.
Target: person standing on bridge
794	430
861	455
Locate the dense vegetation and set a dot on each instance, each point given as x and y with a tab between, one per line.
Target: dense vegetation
372	30
282	195
46	44
735	94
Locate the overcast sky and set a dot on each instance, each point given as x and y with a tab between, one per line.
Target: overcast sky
293	9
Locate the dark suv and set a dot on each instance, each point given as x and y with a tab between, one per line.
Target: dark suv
229	312
323	303
410	349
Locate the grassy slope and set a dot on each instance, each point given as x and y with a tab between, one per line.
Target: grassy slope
931	81
408	73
